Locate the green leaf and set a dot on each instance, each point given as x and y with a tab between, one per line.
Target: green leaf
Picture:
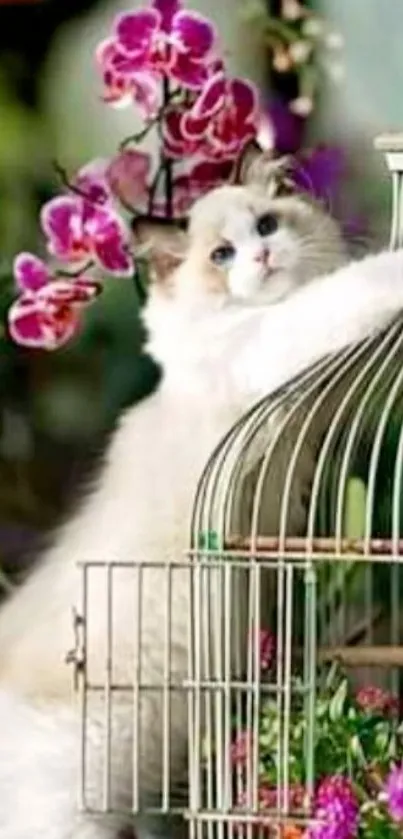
356	749
382	740
336	705
332	675
322	708
392	748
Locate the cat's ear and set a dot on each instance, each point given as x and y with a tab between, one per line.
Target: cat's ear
260	168
161	243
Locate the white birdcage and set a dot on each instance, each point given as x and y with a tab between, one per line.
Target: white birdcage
327	583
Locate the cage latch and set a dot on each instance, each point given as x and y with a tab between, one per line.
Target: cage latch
76	656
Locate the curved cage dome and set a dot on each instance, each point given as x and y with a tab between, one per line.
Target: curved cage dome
301	505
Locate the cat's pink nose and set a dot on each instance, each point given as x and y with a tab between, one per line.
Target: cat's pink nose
263	256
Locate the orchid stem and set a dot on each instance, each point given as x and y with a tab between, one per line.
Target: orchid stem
167	164
62	174
141	135
71	275
154	186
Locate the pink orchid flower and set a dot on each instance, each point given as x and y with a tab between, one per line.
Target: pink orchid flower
78	232
177	43
123	177
127	85
124	84
46	314
92	183
226	115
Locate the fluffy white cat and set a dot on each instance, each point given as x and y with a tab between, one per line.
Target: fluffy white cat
239	304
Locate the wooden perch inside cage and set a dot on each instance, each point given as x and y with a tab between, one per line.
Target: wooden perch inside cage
363	656
317	547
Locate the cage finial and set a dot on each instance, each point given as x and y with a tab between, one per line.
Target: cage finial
391	144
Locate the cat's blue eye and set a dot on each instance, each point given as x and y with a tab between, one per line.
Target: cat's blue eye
223	255
267	224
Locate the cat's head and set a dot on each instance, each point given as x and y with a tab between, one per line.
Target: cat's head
253	242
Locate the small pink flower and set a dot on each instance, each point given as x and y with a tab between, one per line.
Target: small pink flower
124	83
78	231
241	748
266	648
47	312
127	175
225	116
178	44
374	700
268	797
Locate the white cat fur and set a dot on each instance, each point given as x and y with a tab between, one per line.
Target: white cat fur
220	352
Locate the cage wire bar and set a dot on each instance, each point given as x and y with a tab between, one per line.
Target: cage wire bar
296	531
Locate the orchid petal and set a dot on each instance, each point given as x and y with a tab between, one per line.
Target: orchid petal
171	130
193	129
126	64
190	73
212	97
207	174
127	175
60	221
25	324
30	273
245	97
91	181
195	33
147	93
105	51
167	9
114	258
66	292
135	30
39	326
117	99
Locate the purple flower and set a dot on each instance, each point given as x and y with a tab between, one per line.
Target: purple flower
288	128
78	232
47	312
336	807
394	792
319	172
